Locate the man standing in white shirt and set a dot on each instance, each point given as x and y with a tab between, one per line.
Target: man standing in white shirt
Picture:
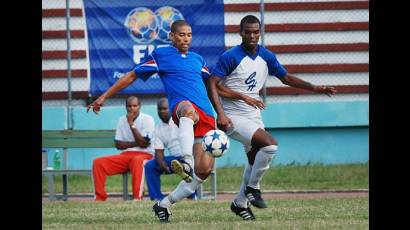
166	136
133	134
238	77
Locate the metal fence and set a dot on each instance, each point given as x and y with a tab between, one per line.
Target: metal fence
321	42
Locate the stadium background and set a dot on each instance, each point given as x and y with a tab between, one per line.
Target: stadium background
324	42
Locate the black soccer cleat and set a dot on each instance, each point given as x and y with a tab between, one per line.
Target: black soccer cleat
162	213
254	196
245	213
183	169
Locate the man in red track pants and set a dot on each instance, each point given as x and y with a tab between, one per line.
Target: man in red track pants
133	134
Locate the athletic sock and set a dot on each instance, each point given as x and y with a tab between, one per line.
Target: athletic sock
241	200
183	190
261	165
186	139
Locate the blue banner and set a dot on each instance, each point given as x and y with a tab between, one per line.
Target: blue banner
122	32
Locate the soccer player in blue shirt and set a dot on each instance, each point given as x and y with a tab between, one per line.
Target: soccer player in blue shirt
238	77
182	73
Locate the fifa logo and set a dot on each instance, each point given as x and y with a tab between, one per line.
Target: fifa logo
144	26
150	29
251	81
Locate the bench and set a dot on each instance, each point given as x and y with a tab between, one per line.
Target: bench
89	139
77	139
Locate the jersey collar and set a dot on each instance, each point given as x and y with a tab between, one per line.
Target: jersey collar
186	53
253	57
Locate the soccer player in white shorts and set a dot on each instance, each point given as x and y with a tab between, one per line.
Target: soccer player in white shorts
237	78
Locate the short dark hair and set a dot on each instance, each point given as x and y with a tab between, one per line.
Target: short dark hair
130	98
177	24
161	101
249	19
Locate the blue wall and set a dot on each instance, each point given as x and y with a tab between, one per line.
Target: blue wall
308	132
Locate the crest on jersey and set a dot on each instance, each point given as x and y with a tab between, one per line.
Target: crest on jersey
251	81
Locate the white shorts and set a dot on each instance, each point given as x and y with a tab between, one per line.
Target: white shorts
244	128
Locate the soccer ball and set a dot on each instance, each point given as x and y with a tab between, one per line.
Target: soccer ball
215	143
142	25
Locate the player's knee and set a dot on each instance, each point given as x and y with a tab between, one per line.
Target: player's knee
191	114
203	173
185	109
271	141
270	149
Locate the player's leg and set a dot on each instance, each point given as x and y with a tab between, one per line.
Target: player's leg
137	173
171	161
240	204
200	164
242	132
203	168
241	200
267	146
107	166
187	117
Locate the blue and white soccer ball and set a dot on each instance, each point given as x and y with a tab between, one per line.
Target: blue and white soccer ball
215	143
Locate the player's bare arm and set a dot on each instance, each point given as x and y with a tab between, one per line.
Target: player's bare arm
119	85
226	92
299	83
222	120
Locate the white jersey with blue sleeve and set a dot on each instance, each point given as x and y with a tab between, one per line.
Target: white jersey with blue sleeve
246	74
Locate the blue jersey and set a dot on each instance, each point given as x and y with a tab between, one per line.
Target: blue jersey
244	73
183	76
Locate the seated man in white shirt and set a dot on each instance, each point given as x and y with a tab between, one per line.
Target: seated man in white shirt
132	136
166	136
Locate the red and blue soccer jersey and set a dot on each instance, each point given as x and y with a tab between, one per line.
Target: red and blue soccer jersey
183	76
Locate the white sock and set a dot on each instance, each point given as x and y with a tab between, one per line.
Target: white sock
186	139
241	200
182	191
262	160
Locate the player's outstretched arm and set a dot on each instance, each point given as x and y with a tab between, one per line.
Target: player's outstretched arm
299	83
119	85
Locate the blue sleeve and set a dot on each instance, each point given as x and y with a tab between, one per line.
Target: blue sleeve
226	65
147	67
274	67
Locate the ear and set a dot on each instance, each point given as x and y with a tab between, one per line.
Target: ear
171	36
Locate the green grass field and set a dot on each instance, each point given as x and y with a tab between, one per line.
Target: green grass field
285	177
329	213
283	213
